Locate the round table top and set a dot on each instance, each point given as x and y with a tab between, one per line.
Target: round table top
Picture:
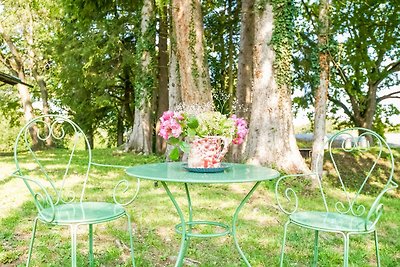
175	172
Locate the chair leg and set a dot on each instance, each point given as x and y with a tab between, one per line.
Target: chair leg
378	259
91	258
315	261
74	229
346	238
283	243
131	239
32	240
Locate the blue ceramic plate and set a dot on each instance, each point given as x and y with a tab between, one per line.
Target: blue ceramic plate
223	167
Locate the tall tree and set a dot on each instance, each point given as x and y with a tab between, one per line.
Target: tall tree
365	54
321	95
367	61
12	58
271	136
38	60
245	69
94	58
221	21
140	138
193	68
245	59
162	72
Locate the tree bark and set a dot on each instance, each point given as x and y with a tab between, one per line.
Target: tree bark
140	139
271	138
193	67
174	87
245	70
321	95
230	57
162	76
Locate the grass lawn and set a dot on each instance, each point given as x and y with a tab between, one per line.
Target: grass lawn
260	226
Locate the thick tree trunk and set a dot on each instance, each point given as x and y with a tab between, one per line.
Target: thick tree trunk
140	139
245	70
174	87
245	59
230	57
193	68
162	76
271	138
321	95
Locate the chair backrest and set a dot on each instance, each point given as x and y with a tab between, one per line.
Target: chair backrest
47	185
360	163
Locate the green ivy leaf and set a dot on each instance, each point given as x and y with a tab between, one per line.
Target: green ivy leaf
174	155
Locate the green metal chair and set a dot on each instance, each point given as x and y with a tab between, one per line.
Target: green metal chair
345	208
59	194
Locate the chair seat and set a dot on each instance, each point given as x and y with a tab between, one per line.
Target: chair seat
83	213
329	221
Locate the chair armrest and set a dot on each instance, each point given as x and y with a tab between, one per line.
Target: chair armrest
122	186
376	209
38	197
289	194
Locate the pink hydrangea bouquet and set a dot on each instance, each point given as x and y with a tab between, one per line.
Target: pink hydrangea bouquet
176	126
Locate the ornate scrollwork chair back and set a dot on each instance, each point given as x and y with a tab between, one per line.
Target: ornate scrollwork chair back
58	185
359	167
371	164
48	186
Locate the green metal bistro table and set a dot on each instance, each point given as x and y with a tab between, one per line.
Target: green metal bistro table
174	172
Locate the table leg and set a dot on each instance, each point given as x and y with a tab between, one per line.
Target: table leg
190	215
184	241
235	217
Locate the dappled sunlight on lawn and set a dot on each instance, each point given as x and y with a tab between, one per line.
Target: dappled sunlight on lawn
259	226
13	195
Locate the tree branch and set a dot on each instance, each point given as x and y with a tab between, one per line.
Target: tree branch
13	49
393	67
311	14
342	105
391	95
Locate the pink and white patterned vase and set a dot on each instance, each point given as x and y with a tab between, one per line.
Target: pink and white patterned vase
207	152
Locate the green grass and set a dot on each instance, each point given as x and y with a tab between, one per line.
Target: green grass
153	217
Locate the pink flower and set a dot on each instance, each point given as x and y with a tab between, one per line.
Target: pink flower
166	115
170	125
241	130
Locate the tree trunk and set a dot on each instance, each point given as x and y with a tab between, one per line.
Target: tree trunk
38	78
174	87
120	127
230	57
16	66
162	76
45	103
140	139
271	138
321	95
245	70
90	136
193	67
